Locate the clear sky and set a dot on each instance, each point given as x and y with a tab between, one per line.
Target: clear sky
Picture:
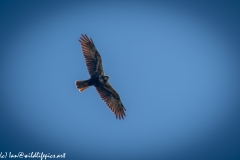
175	66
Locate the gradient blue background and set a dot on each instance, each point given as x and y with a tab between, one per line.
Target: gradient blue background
174	64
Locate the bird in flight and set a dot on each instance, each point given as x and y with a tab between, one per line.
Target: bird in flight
98	79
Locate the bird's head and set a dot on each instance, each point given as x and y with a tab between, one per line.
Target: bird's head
105	78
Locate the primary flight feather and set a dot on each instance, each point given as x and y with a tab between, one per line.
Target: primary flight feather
98	79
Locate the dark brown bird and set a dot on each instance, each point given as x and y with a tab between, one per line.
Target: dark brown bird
98	79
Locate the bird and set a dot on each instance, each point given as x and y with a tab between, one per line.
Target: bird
98	79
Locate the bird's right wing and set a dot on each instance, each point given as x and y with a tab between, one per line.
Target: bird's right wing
112	99
91	55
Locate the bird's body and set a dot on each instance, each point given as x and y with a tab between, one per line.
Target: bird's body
98	78
95	80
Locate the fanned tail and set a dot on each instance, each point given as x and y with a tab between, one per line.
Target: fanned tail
82	85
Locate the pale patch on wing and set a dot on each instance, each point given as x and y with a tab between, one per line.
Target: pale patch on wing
99	68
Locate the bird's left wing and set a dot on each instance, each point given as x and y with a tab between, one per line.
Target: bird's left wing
91	55
112	99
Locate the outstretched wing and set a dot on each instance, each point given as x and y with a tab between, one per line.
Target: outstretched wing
91	55
112	99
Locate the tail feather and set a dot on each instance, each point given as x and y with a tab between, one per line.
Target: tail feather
82	85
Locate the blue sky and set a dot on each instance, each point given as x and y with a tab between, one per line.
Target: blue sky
175	66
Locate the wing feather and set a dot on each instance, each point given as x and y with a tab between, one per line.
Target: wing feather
92	57
112	99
